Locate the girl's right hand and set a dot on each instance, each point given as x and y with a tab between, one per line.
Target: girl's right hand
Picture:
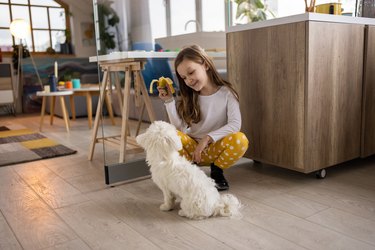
165	93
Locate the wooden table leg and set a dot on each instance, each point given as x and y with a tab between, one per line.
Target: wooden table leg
43	110
72	107
52	109
65	113
89	108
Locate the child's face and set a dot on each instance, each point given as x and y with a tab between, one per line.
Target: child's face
194	74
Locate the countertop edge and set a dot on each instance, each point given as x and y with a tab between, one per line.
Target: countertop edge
303	17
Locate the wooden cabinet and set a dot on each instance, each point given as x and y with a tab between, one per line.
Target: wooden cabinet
368	108
301	95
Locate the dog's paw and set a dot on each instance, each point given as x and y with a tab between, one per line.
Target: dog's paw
181	213
165	207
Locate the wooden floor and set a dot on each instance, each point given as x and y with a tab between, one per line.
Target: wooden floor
63	203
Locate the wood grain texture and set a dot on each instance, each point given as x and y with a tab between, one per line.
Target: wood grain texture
368	106
70	245
295	229
34	223
346	223
101	229
268	68
54	190
7	238
300	88
276	202
164	229
334	94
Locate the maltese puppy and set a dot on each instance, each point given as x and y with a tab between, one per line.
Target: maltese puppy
177	177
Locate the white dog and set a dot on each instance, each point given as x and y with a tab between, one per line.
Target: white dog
177	177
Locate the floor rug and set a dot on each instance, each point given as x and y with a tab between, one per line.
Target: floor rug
23	145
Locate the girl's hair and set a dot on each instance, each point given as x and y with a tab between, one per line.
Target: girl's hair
188	106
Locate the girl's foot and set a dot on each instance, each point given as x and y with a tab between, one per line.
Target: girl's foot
218	176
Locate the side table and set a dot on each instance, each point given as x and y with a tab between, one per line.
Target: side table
53	96
89	90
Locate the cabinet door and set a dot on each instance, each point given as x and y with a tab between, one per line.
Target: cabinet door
334	93
368	111
267	66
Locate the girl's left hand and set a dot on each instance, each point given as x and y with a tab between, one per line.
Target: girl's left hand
197	155
198	152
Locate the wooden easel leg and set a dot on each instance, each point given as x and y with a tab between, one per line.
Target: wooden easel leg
140	119
146	97
108	103
98	114
125	113
118	90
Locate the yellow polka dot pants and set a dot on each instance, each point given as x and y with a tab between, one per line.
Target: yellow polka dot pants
223	153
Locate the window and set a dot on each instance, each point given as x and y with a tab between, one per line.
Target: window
176	17
158	18
213	15
182	13
47	18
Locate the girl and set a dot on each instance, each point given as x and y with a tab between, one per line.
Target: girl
207	115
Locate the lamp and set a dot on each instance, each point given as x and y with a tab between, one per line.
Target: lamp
20	29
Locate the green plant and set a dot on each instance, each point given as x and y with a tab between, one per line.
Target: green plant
15	56
252	10
76	75
107	18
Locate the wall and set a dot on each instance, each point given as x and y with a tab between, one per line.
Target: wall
134	23
81	14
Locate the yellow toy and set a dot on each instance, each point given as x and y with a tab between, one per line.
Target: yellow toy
162	83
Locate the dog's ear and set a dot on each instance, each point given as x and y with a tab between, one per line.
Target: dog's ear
175	142
171	142
142	140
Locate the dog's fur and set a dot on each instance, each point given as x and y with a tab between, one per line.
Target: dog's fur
177	177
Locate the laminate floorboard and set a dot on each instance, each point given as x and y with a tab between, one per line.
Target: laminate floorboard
64	203
7	238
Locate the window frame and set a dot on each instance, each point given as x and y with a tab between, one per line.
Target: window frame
198	15
28	5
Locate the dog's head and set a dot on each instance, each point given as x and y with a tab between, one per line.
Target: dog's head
160	139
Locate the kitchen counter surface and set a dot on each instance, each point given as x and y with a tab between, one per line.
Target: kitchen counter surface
303	17
123	55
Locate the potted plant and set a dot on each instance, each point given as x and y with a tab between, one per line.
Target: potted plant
252	10
108	19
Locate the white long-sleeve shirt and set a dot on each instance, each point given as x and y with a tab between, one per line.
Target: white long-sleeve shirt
220	116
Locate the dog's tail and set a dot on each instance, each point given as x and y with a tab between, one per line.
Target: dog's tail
231	206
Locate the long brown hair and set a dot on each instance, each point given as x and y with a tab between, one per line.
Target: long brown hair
188	106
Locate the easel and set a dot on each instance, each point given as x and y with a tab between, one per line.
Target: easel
129	66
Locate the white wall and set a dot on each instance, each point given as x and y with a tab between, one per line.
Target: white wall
122	8
140	25
81	12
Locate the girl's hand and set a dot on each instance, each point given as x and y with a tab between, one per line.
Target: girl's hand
165	93
197	155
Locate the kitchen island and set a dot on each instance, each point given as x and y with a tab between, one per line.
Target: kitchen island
307	89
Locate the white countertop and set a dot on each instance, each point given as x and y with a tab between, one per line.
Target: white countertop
303	17
145	55
54	93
